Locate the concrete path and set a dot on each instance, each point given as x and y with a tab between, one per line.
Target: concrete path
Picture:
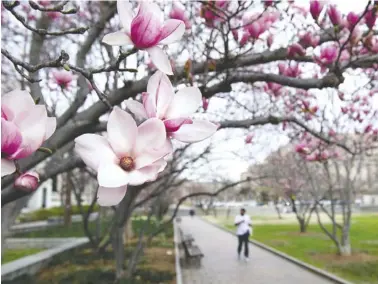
220	264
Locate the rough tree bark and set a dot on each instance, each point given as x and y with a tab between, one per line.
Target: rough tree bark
67	201
123	215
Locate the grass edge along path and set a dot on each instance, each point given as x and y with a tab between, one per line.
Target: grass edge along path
14	254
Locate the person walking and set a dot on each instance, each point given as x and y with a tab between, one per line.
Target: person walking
243	224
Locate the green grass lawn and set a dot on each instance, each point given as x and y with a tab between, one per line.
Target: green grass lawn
13	254
316	248
59	231
76	229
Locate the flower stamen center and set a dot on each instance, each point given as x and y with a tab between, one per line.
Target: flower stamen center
127	163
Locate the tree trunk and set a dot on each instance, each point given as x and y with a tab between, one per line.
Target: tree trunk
278	211
302	225
123	215
128	234
228	212
345	249
119	252
67	202
9	213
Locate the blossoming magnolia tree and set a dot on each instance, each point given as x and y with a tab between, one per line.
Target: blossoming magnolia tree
307	69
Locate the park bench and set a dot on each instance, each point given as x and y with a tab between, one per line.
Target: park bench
193	254
186	238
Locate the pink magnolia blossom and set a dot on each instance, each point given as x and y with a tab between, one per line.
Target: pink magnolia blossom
328	55
312	158
269	40
301	10
24	127
205	103
146	31
316	8
368	128
257	24
53	15
370	18
356	36
212	11
244	39
129	155
302	148
334	15
27	182
255	30
352	19
309	39
295	49
178	13
235	34
44	2
248	138
273	88
63	78
268	3
290	70
174	110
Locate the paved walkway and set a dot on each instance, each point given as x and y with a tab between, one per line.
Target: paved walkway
220	264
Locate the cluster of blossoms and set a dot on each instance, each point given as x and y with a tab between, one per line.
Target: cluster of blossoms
314	150
131	154
127	154
24	127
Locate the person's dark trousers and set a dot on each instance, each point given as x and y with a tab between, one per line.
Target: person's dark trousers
243	239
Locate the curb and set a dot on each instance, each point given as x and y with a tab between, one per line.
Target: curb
296	261
177	254
31	264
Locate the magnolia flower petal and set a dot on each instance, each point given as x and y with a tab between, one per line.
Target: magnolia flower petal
136	108
160	88
50	127
185	102
122	132
16	102
154	155
125	12
195	132
112	175
172	125
149	98
32	125
151	133
119	38
7	167
110	196
149	104
160	59
94	149
167	146
11	138
149	173
146	27
173	30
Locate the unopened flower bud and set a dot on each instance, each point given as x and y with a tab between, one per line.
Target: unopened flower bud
27	182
